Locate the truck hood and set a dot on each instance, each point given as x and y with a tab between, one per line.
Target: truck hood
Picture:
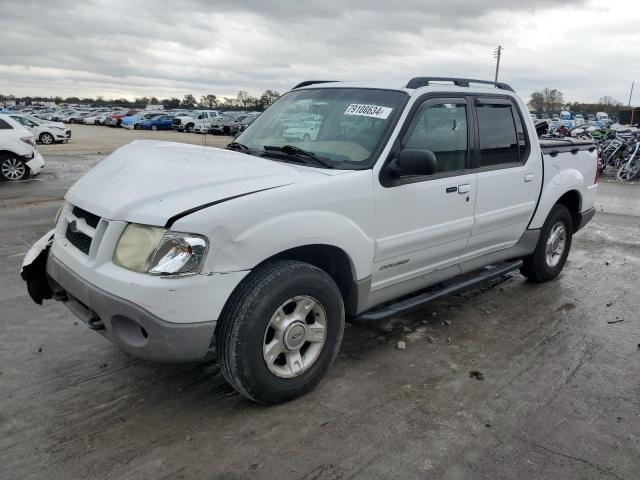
150	182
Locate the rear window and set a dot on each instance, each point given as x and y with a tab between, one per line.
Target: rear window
5	125
501	141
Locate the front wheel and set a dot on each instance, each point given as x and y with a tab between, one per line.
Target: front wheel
189	128
46	138
280	331
552	250
154	127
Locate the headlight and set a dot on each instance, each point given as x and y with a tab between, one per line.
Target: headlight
157	251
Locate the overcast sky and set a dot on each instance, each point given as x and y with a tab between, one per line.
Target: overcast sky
128	48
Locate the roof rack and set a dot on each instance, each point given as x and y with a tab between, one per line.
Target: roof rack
312	82
418	82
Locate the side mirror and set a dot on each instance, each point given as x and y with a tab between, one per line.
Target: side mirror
412	161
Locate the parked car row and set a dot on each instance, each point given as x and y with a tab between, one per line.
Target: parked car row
191	121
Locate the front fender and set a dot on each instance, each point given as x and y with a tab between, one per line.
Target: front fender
277	234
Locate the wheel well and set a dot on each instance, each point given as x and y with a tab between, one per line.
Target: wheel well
9	153
572	201
331	259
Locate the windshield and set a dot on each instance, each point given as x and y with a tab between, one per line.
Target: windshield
344	126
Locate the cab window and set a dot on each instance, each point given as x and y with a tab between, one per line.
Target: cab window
500	141
442	129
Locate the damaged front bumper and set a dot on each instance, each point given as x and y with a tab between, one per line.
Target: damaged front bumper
131	326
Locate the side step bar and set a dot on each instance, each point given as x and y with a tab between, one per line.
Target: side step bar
423	297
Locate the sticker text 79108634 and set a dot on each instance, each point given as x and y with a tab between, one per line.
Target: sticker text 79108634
368	111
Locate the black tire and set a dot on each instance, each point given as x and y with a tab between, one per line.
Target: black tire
536	266
306	138
46	138
136	126
189	128
154	127
244	323
12	168
72	120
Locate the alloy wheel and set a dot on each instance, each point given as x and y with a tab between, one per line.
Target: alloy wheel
295	336
13	169
556	244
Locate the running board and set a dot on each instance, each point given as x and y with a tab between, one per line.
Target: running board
423	297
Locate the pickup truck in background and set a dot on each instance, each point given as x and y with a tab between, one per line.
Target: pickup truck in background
197	118
260	252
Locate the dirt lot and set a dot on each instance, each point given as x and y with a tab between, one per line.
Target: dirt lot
559	399
98	140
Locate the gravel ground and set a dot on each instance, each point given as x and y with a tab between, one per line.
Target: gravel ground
558	396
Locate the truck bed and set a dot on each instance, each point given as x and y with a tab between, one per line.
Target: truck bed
553	146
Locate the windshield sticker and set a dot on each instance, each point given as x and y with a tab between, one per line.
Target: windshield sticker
368	111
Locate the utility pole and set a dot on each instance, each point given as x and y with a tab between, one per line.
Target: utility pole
497	53
629	104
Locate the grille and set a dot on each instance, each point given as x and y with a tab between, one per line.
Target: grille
91	219
79	240
176	121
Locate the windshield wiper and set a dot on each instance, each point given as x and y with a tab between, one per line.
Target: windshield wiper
293	151
238	147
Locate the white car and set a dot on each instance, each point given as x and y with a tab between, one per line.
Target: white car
44	131
261	251
96	119
306	132
18	155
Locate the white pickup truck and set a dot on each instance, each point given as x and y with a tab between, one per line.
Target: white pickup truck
197	121
261	251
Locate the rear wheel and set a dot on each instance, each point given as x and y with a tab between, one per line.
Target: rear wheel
550	255
154	127
280	331
12	168
306	138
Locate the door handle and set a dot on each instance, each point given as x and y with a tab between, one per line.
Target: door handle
529	177
452	189
466	188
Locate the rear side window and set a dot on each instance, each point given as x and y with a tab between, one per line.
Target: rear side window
498	137
4	125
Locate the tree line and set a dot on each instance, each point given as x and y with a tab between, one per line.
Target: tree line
552	100
242	101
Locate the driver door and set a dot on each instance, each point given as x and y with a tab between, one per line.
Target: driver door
423	223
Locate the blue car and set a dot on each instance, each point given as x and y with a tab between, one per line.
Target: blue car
163	122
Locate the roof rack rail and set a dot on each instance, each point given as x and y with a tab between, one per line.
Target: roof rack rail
418	82
312	82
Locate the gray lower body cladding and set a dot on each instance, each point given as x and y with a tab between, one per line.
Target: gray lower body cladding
131	327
